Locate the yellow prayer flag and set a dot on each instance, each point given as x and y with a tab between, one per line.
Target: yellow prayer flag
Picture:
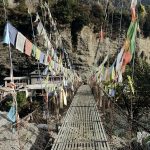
113	73
37	54
130	83
142	10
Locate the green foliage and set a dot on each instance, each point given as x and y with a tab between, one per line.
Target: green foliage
22	6
97	16
146	23
66	11
63	10
21	99
82	13
141	83
51	2
147	139
96	9
8	103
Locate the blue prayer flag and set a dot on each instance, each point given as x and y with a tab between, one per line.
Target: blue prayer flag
10	34
6	39
45	71
12	114
42	56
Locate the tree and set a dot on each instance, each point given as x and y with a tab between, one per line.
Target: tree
21	100
141	78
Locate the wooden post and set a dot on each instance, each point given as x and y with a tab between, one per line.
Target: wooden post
101	97
57	107
31	117
111	118
104	103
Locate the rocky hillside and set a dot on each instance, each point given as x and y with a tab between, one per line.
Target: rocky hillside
79	24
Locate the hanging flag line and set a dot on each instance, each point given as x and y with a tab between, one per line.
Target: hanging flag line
13	37
42	32
20	42
46	37
58	40
112	75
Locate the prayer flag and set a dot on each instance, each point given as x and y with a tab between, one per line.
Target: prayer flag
40	28
45	71
52	52
37	54
48	58
142	10
130	83
20	42
65	98
120	79
133	14
10	34
126	59
33	50
113	73
119	59
6	38
101	35
28	47
42	57
133	39
133	3
105	60
130	30
12	114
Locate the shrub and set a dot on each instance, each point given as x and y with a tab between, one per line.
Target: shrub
21	99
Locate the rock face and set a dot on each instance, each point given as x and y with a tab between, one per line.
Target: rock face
144	49
12	3
82	57
31	4
89	51
87	45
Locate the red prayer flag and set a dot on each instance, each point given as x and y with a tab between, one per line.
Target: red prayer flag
28	47
133	13
133	3
48	58
101	35
126	59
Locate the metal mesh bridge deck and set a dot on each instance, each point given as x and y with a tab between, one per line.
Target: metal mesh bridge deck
82	128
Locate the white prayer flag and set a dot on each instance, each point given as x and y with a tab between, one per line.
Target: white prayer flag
133	3
20	42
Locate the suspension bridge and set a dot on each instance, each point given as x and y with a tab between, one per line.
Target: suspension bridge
82	127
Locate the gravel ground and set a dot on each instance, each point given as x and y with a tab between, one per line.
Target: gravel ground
9	139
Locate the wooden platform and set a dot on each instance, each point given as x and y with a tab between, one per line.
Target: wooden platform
82	128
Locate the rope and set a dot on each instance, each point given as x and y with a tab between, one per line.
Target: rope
9	46
11	76
39	71
5	11
120	28
102	26
57	30
33	34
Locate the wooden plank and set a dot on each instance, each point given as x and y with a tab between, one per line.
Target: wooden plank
82	128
